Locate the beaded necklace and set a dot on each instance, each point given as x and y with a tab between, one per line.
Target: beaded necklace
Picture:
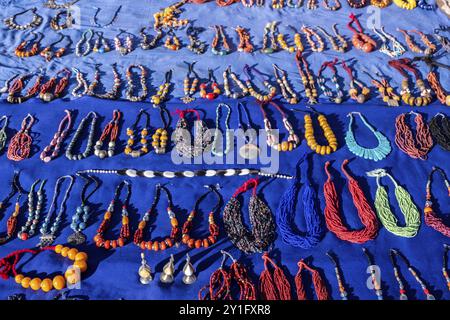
48	53
3	135
81	84
101	44
83	212
35	22
445	42
111	130
58	87
195	44
312	4
407	207
360	40
444	265
431	48
226	85
216	148
160	137
182	136
286	212
129	92
317	280
440	130
21	50
395	253
90	141
397	48
131	131
264	79
333	219
404	139
114	93
220	35
125	48
11	223
342	46
337	5
49	231
373	274
298	45
277	4
124	235
172	42
310	34
245	44
20	145
249	150
67	23
213	226
292	140
17	86
358	91
147	44
168	242
375	154
273	286
334	79
286	90
269	36
430	217
86	38
51	4
163	90
108	24
64	127
34	212
190	86
357	4
214	86
385	89
307	78
263	232
422	4
167	17
337	271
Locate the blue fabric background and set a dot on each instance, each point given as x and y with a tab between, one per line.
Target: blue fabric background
113	274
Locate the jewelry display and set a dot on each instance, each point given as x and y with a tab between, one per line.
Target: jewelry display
85	39
338	97
131	87
307	78
407	207
286	212
11	223
195	44
226	85
17	86
212	82
358	91
269	37
298	45
343	293
111	130
385	89
360	40
20	145
51	151
272	139
99	238
376	285
317	280
393	253
406	4
35	22
430	47
397	48
147	44
131	134
342	46
375	154
167	274
273	286
83	212
189	276
272	90
77	136
249	150
220	36
263	232
101	44
357	4
71	276
190	84
217	148
337	5
49	231
286	90
66	16
29	48
416	147
144	272
172	42
114	93
245	44
3	135
108	24
163	90
310	33
58	86
160	137
334	219
440	130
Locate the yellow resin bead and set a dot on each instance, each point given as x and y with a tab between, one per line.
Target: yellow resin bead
72	253
19	278
25	283
65	251
81	256
82	264
35	284
46	285
59	282
58	248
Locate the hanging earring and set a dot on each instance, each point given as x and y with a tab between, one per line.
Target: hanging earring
189	271
145	272
168	271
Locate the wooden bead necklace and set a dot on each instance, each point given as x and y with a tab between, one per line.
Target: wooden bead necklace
307	78
58	86
310	33
49	231
273	286
172	42
182	136
168	242
20	145
385	89
55	22
163	91
214	86
407	207
406	4
101	44
226	85
112	130
17	86
317	280
3	135
286	90
83	212
249	150
85	39
444	265
430	47
360	40
397	48
82	86
131	87
124	48
190	84
376	285
131	134
337	271
430	217
440	130
213	226
29	48
245	44
357	4
298	45
35	22
161	136
334	220
147	44
419	147
220	35
342	46
269	36
272	138
337	5
338	97
264	79
34	211
393	253
380	3
263	232
358	91
217	148
99	238
114	93
375	154
11	223
77	136
195	44
71	276
64	127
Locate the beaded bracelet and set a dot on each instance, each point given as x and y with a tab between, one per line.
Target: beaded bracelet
360	40
34	211
90	141
111	130
286	90
358	91
64	127
307	78
419	147
58	87
129	92
338	98
440	130
35	22
99	238
342	46
214	86
226	85
21	50
131	131
145	43
220	35
17	86
114	93
264	79
163	90
20	145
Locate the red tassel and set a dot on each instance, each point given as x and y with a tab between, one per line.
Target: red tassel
319	285
138	236
276	287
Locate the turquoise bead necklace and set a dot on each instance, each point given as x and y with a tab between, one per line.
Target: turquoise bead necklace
216	150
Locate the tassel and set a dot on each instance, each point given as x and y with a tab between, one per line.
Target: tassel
276	287
319	285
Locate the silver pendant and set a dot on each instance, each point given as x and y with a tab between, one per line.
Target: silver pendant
249	151
76	238
46	240
145	272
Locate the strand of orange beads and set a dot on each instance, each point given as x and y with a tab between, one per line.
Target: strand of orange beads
213	227
168	242
72	275
99	238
